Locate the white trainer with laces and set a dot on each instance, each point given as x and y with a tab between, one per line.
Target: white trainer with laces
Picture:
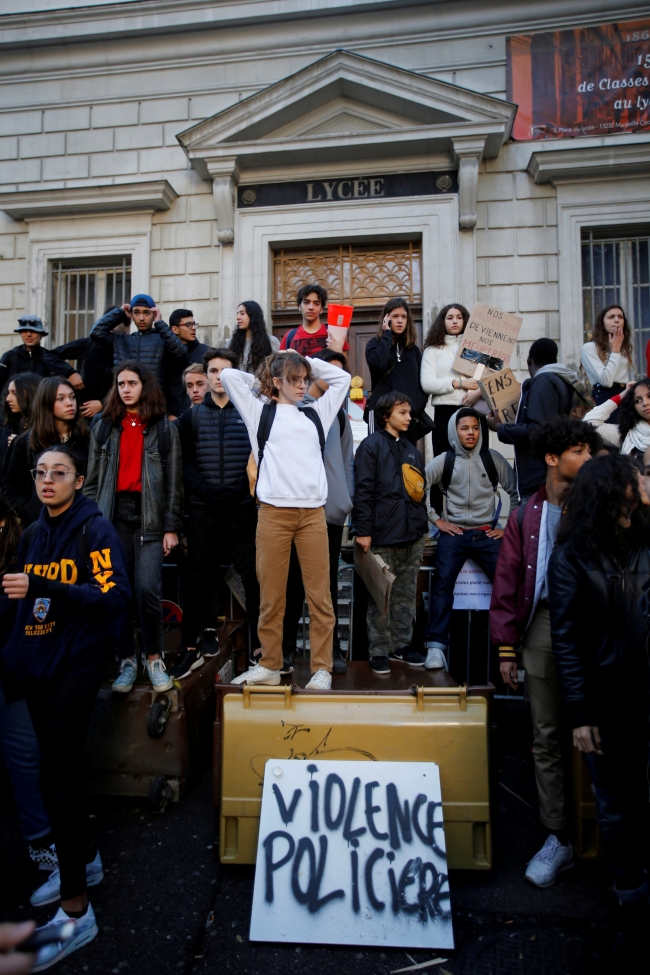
435	659
127	676
85	929
320	681
50	891
160	679
552	860
258	675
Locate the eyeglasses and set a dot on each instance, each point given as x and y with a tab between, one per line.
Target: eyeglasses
298	382
39	474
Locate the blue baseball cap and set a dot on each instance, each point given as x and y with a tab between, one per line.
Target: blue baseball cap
142	300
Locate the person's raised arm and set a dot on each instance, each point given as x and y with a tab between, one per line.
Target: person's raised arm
599	416
101	330
172	342
239	386
338	382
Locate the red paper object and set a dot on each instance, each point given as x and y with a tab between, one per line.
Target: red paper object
339	315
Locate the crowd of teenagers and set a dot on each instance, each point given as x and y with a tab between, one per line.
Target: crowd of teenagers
243	456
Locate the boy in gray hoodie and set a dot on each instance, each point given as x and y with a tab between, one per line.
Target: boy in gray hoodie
468	525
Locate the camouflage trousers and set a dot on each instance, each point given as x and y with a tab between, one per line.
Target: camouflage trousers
393	630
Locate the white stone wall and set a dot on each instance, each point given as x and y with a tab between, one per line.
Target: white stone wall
517	248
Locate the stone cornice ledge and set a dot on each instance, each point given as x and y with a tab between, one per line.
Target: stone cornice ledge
590	162
71	201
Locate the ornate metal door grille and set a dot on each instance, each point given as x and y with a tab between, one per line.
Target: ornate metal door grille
616	270
355	274
82	290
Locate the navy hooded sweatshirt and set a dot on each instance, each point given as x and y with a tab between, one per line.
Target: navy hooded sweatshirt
74	608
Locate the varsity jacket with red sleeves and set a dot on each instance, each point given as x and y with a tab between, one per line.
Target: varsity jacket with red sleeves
517	579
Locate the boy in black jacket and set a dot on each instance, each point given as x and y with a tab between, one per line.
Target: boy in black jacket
67	605
391	522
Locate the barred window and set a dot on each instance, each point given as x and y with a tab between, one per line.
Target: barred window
81	290
616	270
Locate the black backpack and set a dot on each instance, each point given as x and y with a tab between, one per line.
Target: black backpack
164	436
264	431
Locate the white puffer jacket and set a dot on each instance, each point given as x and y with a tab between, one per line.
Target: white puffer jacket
436	374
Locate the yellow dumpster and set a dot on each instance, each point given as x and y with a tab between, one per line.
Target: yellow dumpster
444	724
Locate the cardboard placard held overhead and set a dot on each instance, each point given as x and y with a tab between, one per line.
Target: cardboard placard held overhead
352	853
488	341
501	392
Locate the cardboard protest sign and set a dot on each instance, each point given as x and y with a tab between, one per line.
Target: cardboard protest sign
488	341
352	853
501	392
473	589
376	575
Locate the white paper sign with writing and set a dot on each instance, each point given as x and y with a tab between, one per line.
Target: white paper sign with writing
473	589
352	853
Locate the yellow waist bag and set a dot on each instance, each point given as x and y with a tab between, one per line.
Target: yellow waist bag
413	479
414	482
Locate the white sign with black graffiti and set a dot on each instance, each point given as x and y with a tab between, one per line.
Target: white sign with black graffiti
352	853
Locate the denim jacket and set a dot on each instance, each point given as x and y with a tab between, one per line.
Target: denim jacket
162	490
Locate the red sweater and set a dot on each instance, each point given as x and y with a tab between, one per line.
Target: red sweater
129	473
308	343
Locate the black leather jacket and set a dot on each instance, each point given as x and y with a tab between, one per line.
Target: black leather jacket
599	632
162	490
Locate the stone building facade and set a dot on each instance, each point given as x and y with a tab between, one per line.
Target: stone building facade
211	152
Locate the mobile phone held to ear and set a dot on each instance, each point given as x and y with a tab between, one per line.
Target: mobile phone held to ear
46	936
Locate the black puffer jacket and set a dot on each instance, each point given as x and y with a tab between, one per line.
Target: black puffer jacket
43	362
94	362
148	347
599	633
381	506
215	459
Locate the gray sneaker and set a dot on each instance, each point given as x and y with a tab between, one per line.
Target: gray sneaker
127	676
84	930
160	679
552	859
435	659
50	891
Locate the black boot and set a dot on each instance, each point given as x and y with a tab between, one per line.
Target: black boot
339	662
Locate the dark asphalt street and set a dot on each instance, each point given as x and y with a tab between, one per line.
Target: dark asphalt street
167	906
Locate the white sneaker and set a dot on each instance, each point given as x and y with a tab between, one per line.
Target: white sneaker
320	681
50	891
85	929
258	675
160	679
552	859
435	659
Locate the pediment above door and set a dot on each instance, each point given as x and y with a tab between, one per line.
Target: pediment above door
346	109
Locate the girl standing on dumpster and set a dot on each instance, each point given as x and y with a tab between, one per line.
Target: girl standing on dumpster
288	441
134	474
56	629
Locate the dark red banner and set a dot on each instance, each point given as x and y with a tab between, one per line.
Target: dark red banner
587	81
